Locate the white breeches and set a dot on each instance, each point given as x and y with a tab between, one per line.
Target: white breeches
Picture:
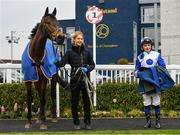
153	99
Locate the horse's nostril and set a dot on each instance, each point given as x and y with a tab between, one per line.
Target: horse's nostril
59	36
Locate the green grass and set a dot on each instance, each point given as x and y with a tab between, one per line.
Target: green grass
104	132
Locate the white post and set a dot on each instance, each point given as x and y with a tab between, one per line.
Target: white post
57	101
12	40
94	15
155	27
94	58
94	43
9	76
173	75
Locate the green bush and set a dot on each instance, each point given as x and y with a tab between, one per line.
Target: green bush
170	99
113	100
117	113
126	97
122	61
135	113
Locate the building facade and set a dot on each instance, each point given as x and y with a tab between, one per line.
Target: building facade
119	33
170	30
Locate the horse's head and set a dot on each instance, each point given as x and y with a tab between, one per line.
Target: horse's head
51	27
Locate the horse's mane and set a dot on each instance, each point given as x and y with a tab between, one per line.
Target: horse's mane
34	30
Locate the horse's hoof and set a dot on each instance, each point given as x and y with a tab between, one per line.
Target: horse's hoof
54	120
43	126
28	125
38	121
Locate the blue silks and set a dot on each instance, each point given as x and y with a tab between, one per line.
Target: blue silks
157	77
165	79
48	67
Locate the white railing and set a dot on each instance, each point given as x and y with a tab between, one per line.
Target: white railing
125	73
10	73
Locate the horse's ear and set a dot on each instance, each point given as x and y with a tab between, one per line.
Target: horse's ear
54	12
47	11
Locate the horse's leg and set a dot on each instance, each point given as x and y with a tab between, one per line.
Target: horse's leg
29	102
41	87
53	98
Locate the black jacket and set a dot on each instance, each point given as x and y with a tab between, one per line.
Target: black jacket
77	57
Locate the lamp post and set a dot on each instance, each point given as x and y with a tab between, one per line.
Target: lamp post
11	40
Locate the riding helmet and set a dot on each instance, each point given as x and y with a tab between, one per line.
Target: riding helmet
146	40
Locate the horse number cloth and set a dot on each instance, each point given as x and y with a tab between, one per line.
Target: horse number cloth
48	67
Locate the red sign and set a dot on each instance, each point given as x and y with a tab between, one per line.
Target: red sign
94	15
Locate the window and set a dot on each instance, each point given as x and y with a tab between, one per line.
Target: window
70	30
147	14
149	32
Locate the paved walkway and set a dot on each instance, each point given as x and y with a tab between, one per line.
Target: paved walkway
97	124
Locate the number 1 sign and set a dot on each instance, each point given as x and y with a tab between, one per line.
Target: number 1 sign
94	15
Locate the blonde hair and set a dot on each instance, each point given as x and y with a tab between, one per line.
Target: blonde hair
75	34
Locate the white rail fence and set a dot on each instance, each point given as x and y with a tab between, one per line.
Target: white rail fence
12	73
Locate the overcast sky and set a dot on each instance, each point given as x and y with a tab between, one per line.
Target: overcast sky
22	15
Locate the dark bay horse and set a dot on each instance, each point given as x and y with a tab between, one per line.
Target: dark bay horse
47	29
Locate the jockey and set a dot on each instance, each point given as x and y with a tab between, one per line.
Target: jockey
148	59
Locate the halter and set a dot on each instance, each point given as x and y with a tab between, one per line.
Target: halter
53	32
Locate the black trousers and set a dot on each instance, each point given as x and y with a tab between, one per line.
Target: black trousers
75	96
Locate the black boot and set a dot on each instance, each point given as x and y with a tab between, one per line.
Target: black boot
158	123
148	123
87	124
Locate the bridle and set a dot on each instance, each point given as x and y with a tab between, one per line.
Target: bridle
52	30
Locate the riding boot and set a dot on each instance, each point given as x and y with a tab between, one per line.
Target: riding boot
148	123
158	123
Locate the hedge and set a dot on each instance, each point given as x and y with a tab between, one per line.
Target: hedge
118	98
126	97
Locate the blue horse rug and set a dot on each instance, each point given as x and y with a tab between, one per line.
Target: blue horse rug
48	67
